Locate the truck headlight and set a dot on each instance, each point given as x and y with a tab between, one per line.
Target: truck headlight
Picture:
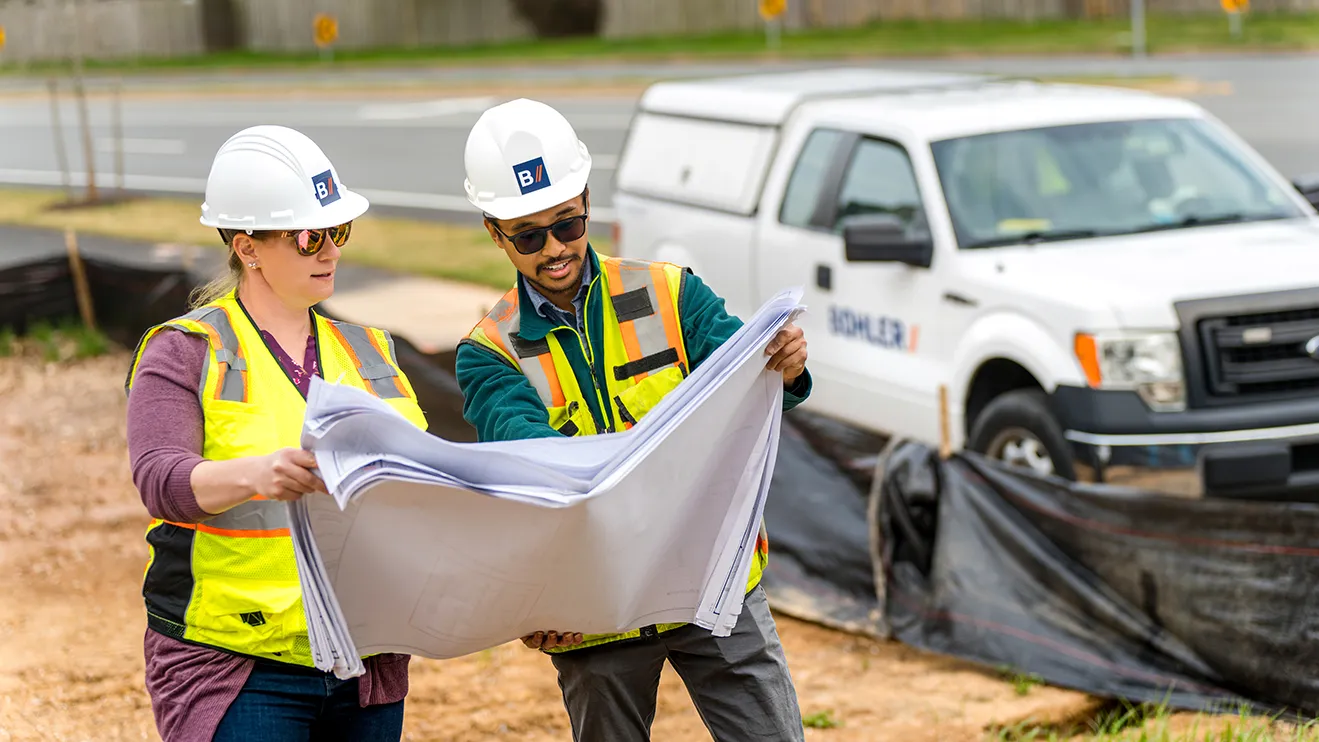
1148	362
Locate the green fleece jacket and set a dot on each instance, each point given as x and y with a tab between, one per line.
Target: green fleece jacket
502	405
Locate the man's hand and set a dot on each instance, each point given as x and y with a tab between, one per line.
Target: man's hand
551	639
787	353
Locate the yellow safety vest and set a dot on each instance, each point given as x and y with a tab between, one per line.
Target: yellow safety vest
231	581
645	358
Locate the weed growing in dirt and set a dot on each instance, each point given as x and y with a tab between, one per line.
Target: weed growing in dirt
1021	682
55	342
821	720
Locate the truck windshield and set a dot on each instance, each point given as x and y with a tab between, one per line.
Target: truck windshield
1088	180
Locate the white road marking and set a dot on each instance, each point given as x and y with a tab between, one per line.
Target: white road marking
382	117
143	146
423	109
197	186
163	183
438	202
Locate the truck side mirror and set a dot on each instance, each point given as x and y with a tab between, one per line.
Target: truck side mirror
883	238
1308	185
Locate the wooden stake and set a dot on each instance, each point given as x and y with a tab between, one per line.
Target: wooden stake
945	430
80	287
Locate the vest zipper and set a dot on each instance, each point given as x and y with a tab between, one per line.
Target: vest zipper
589	351
582	346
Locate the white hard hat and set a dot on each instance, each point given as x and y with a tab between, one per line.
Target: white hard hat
273	177
523	157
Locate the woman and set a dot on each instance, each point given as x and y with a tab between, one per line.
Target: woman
215	409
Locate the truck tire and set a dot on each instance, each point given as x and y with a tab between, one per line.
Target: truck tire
1018	428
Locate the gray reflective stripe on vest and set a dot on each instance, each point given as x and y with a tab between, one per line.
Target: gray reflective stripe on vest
521	349
231	385
253	515
374	369
636	302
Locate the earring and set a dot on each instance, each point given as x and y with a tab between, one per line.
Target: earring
252	264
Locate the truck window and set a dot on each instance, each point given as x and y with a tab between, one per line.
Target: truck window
1105	178
880	180
808	178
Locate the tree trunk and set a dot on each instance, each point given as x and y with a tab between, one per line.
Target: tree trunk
562	18
221	27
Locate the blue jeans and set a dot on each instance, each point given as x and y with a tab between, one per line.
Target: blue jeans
284	703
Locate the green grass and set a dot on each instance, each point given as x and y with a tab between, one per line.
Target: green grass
1165	34
435	249
8	342
821	720
1155	723
1022	683
58	342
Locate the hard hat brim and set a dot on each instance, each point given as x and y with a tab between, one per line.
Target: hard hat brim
350	206
514	207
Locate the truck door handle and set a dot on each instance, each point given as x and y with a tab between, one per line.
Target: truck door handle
824	277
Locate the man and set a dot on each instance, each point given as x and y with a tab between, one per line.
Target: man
584	345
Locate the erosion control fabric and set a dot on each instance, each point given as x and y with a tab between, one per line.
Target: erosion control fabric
816	518
1201	604
126	299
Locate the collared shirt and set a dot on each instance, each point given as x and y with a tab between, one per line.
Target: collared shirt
556	316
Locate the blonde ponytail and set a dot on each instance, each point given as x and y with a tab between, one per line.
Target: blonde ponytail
220	285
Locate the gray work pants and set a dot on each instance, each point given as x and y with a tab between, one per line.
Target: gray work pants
739	683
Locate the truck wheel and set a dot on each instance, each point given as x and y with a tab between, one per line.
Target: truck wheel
1017	428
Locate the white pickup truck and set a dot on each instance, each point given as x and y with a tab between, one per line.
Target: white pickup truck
1110	284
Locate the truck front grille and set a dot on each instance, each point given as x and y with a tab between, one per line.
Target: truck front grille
1260	354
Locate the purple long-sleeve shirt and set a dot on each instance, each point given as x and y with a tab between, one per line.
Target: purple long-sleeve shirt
192	686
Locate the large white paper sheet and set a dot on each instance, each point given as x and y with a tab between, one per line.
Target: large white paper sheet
441	549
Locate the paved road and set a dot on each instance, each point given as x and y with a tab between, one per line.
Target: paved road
405	151
400	153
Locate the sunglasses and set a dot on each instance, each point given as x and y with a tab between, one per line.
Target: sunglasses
310	241
532	241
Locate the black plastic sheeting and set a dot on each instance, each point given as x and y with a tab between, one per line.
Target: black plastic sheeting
127	299
817	521
1201	604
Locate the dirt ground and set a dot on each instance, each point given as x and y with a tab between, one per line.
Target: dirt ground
71	615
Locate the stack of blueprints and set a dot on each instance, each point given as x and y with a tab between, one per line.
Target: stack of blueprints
441	549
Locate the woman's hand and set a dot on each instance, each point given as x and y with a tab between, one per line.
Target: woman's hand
286	475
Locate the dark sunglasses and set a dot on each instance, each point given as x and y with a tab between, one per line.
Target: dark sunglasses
310	241
532	241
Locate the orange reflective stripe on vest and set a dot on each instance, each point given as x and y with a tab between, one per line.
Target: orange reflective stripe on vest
532	359
647	322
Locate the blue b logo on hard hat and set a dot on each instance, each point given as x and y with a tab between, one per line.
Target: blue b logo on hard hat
326	190
531	175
